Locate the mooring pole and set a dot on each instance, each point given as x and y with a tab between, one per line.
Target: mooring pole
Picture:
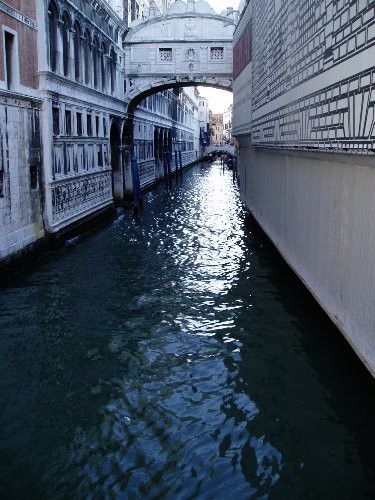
165	166
137	193
176	162
180	158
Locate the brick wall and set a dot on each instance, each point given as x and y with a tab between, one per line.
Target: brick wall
27	42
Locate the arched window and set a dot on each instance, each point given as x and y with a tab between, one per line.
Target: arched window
77	51
113	59
95	60
87	57
103	66
65	42
52	31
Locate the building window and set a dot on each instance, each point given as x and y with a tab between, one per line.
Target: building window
97	125
10	58
52	29
165	55
87	58
79	123
95	60
77	51
65	43
100	157
68	122
89	125
113	59
34	176
217	53
56	120
103	66
104	128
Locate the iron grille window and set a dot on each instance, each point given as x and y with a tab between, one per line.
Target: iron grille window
165	55
217	53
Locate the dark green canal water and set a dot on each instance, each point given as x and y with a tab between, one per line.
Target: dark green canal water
174	355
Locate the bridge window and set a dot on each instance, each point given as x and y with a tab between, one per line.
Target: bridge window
165	55
217	53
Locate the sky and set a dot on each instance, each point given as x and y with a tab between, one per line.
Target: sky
218	100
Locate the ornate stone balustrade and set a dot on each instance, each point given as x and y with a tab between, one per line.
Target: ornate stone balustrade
75	197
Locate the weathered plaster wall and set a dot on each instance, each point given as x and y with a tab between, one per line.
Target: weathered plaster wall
21	222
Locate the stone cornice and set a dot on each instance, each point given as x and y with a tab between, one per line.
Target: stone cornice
70	84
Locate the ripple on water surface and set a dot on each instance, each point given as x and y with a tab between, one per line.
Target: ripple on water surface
174	355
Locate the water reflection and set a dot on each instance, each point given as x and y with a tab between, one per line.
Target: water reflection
173	355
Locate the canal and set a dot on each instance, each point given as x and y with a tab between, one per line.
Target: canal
174	355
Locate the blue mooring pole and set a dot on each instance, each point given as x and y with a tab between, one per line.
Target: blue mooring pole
180	157
176	162
137	193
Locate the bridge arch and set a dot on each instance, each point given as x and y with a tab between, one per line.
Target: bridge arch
137	95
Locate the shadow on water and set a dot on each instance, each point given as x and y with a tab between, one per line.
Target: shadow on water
324	391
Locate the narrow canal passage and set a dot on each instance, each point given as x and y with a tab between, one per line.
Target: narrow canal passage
174	355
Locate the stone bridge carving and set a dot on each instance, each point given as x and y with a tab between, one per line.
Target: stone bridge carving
189	45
